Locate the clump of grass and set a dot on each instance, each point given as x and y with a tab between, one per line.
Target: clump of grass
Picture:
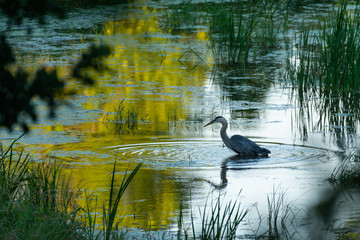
235	27
339	46
13	171
325	73
49	189
218	222
329	61
280	217
35	199
347	174
37	202
125	119
269	22
231	34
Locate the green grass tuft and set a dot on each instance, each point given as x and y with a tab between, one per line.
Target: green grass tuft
218	222
124	119
38	202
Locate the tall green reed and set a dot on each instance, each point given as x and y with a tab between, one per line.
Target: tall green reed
13	170
50	189
278	213
272	18
339	50
110	229
109	213
180	17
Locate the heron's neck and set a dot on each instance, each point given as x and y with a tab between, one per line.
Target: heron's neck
224	135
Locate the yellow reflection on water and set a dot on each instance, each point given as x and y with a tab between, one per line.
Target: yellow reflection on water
150	200
158	77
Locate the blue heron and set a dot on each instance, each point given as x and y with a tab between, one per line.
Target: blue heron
240	144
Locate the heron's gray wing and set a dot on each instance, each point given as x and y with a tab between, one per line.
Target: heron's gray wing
245	146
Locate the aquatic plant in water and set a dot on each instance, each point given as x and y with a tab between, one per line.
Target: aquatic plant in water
110	212
347	174
272	18
218	221
124	120
234	27
325	72
230	34
329	60
280	215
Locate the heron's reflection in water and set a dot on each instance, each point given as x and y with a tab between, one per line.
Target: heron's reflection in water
237	163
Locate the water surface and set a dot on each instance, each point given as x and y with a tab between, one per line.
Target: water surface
169	80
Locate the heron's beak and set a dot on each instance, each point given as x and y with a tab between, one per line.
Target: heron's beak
209	123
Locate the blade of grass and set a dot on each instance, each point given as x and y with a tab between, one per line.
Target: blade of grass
111	213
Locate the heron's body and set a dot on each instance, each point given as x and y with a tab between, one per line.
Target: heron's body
239	144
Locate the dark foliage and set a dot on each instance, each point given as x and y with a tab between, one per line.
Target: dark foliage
91	60
17	90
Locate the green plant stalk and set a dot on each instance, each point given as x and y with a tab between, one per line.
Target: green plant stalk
109	215
13	172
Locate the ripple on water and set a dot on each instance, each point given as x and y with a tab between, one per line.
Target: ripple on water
198	153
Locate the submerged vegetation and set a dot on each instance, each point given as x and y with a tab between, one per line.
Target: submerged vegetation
125	119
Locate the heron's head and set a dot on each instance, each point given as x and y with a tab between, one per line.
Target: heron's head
219	119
